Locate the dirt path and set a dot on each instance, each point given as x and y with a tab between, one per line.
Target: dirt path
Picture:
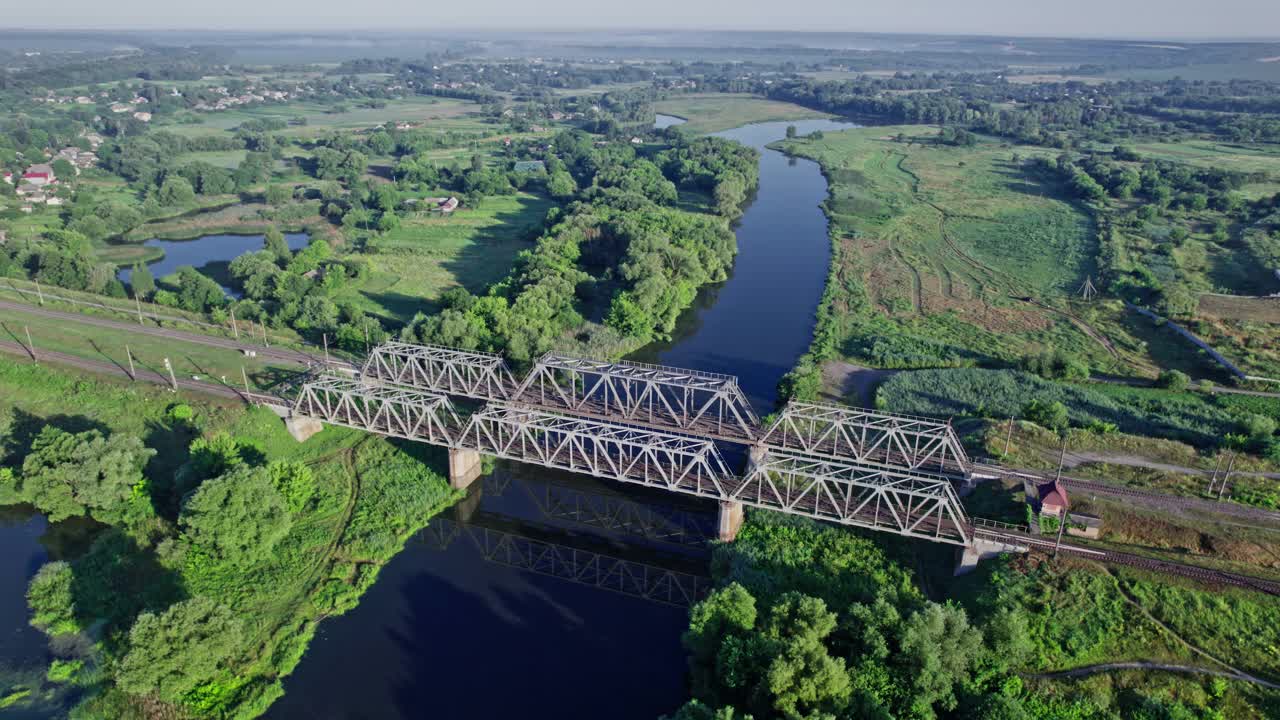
917	286
1076	458
1144	665
853	381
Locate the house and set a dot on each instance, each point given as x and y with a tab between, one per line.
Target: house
8	177
1085	526
1052	498
27	189
530	166
53	200
27	208
449	205
121	107
636	141
84	100
39	174
143	116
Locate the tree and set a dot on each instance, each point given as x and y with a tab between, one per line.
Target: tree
236	517
176	190
1175	380
278	195
63	169
275	244
174	652
560	185
791	132
1053	416
937	650
67	475
51	599
197	292
142	281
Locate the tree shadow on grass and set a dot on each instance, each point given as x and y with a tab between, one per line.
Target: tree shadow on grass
25	426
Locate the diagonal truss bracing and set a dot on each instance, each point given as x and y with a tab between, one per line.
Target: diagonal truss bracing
440	369
864	436
387	410
607	450
652	395
869	497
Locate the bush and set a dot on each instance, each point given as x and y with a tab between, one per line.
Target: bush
1175	380
64	670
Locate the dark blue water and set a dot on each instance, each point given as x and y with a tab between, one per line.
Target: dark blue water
758	322
448	632
205	252
21	555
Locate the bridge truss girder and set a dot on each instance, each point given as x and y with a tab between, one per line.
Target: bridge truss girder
652	395
483	376
605	450
870	497
864	436
605	572
386	410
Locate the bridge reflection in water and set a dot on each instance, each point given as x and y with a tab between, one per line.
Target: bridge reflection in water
583	535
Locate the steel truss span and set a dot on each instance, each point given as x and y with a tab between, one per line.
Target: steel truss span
628	577
470	374
652	395
869	497
386	410
863	436
607	450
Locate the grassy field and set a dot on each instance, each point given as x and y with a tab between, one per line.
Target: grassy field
437	113
958	256
714	112
220	158
429	253
149	352
1240	157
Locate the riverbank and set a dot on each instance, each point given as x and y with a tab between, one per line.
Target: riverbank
370	496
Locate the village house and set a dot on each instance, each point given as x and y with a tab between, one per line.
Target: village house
529	166
143	116
8	177
121	107
1052	499
39	175
449	205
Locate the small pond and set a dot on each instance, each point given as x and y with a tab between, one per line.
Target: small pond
210	254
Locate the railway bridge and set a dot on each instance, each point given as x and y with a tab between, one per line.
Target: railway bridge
661	427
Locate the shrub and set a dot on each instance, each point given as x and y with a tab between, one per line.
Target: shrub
1175	380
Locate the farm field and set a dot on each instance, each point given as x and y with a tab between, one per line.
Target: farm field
950	256
714	112
1240	157
441	113
429	253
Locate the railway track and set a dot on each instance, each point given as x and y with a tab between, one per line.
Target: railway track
1193	572
143	374
274	353
1149	499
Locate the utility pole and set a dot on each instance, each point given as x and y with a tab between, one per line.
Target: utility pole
173	380
264	333
1008	439
234	330
1066	502
39	293
138	302
1223	487
325	337
31	347
245	376
132	375
1214	479
366	335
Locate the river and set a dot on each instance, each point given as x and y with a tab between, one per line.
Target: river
464	629
547	594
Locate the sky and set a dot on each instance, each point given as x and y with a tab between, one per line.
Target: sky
1062	18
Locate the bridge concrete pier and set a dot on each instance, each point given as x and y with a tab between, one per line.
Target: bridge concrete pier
302	427
969	555
464	467
755	456
729	521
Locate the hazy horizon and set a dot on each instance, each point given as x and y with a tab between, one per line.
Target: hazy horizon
1184	20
